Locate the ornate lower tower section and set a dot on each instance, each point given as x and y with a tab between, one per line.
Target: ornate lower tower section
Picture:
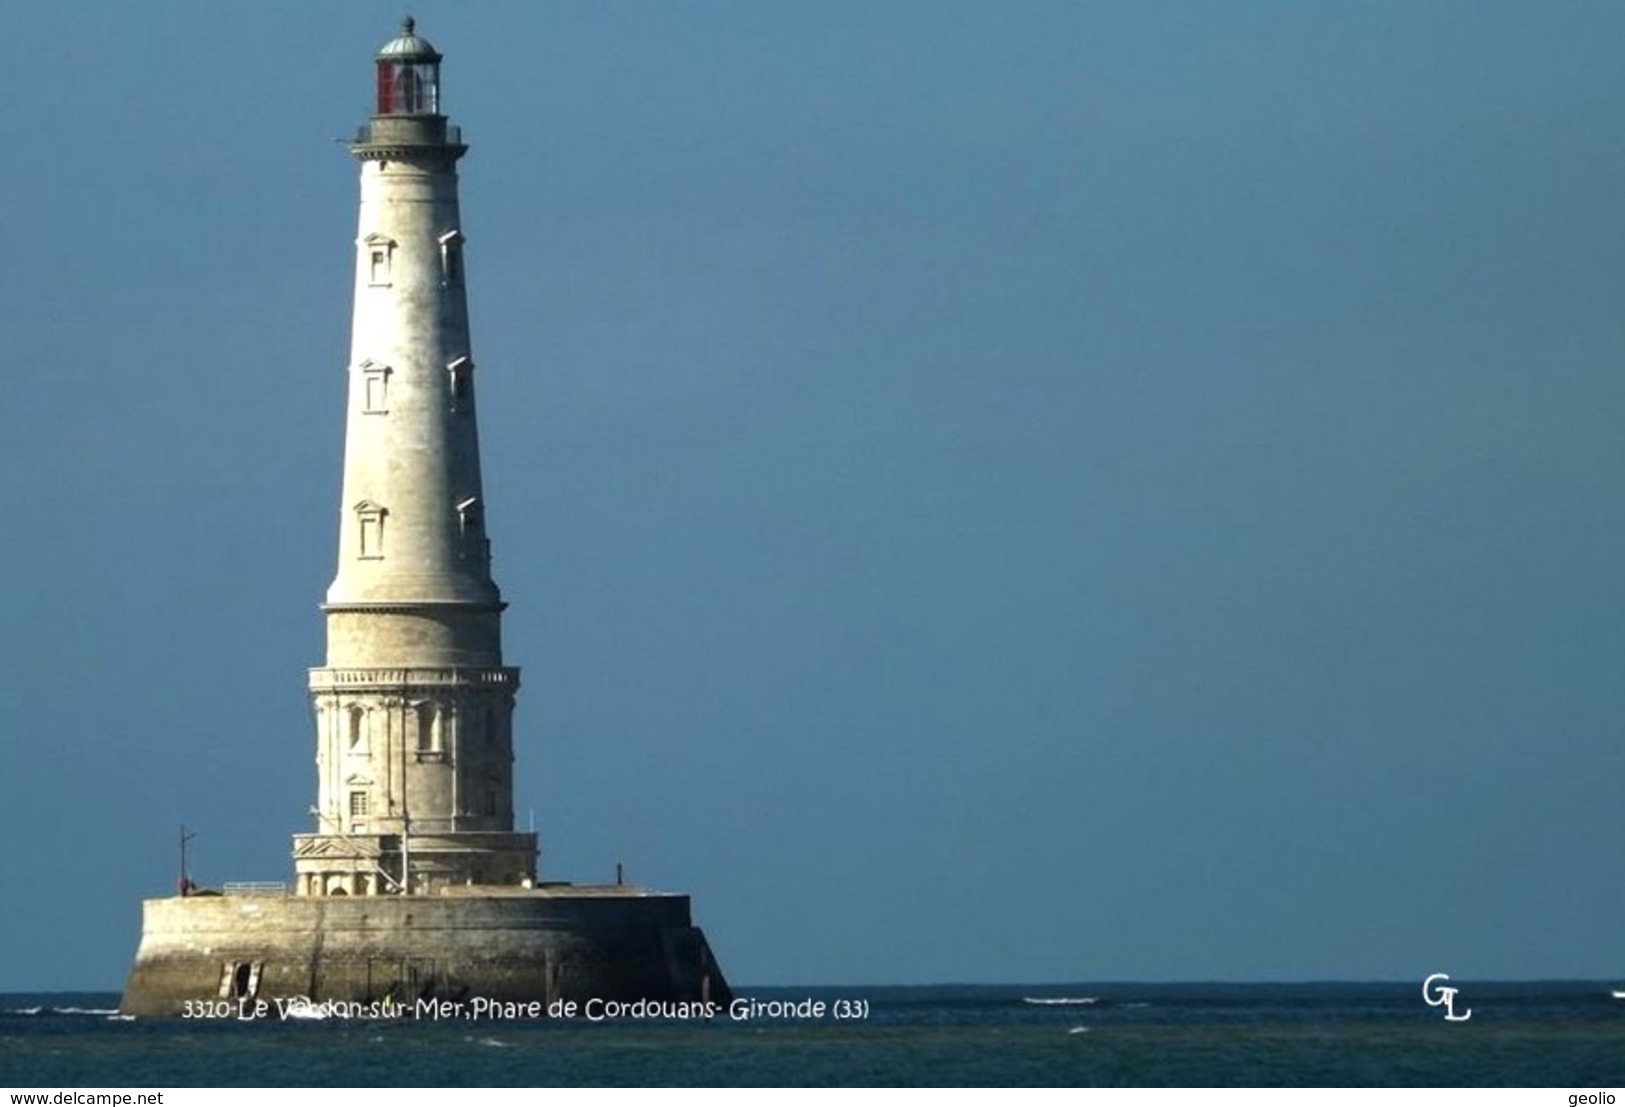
414	742
413	885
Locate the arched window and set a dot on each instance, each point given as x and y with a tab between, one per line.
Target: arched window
426	719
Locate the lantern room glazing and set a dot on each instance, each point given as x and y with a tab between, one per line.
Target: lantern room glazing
408	75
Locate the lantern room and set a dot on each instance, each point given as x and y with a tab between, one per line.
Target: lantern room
408	74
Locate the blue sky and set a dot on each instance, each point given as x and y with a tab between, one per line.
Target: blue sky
986	492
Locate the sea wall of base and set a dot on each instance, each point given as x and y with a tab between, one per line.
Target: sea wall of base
514	946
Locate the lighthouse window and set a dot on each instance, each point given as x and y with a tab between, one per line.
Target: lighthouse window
462	384
379	248
427	722
358	805
451	259
376	388
472	532
371	519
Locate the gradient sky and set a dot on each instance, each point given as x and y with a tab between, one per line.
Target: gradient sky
1023	491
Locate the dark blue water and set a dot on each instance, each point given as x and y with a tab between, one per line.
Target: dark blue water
1563	1034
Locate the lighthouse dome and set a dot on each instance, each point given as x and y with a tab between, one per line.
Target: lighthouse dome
409	45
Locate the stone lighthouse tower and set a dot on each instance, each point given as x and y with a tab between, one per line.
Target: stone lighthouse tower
414	743
413	885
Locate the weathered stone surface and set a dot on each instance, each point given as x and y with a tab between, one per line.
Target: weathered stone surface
520	946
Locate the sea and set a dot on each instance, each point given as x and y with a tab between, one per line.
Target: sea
1566	1034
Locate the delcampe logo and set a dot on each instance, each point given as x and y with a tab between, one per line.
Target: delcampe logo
1440	996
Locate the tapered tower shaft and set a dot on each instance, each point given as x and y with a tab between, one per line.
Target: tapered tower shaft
414	706
414	748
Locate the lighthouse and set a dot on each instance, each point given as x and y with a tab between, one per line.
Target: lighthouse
414	707
413	887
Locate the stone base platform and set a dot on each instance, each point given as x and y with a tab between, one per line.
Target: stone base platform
503	944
